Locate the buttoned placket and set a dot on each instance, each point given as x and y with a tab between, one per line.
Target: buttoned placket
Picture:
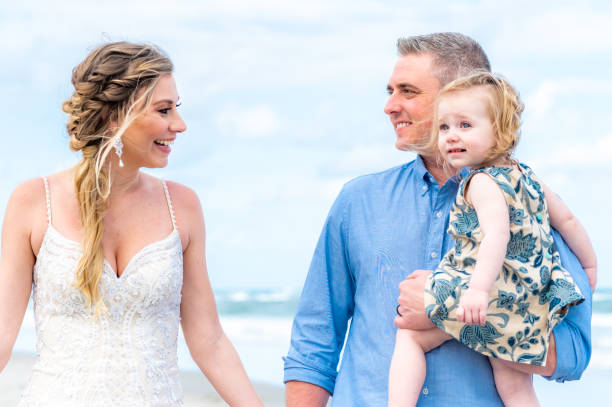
437	218
439	208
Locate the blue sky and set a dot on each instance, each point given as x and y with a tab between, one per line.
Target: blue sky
283	102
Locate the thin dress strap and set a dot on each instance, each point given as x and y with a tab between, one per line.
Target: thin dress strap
170	208
47	199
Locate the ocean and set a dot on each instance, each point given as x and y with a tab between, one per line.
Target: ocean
258	322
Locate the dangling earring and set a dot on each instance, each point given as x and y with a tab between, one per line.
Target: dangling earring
119	150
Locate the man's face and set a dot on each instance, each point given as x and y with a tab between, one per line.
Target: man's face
412	89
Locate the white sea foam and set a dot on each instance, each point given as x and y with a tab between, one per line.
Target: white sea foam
262	341
602	296
600	320
276	296
601	358
286	294
239	296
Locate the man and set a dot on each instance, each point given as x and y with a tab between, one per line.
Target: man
382	228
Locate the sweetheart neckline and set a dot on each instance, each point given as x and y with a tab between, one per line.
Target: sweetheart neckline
110	269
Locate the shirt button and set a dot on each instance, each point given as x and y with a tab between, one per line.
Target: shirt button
424	187
425	391
434	255
439	214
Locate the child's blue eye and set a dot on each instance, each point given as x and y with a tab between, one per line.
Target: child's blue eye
465	125
444	127
164	111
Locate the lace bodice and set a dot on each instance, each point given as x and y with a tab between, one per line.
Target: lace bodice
125	357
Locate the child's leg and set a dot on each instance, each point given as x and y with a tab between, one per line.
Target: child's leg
514	387
407	371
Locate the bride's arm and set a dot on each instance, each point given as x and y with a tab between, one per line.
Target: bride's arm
208	344
16	262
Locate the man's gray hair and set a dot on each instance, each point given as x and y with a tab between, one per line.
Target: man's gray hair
454	55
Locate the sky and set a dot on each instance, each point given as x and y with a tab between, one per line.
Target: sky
283	102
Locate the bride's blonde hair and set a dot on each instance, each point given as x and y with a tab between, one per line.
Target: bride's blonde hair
111	87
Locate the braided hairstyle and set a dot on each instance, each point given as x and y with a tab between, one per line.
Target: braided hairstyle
111	87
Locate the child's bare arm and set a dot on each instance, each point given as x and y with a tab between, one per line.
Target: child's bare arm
574	234
488	200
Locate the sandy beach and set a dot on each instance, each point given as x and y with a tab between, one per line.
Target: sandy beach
198	391
592	390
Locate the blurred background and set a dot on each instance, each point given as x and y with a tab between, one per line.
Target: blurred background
284	103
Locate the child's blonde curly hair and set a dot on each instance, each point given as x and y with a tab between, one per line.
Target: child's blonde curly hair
504	105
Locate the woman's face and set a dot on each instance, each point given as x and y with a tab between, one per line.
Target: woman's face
147	142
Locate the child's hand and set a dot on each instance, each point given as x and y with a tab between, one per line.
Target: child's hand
591	273
473	306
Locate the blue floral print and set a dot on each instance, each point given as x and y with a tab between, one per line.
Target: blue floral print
533	292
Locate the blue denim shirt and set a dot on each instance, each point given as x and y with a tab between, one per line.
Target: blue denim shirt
381	228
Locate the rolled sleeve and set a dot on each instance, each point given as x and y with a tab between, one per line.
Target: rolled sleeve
573	334
302	371
325	307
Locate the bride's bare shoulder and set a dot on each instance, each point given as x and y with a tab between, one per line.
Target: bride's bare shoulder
29	197
183	197
29	193
187	209
26	206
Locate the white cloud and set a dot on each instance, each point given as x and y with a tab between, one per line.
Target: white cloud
364	159
297	89
541	101
594	155
248	123
577	29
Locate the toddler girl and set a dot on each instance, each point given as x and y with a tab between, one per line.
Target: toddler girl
502	289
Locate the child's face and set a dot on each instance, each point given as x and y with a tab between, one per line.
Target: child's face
466	131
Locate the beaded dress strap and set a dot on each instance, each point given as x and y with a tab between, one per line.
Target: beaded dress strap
47	199
170	208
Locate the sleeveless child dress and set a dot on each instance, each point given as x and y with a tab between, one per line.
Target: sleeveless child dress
533	292
124	357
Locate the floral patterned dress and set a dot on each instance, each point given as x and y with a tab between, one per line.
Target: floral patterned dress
533	292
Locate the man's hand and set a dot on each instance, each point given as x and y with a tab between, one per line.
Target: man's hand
473	307
411	308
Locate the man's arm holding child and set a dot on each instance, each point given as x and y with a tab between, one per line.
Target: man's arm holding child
569	350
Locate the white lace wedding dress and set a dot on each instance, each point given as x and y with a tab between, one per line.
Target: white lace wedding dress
125	357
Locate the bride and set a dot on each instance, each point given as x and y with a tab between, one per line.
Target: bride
115	256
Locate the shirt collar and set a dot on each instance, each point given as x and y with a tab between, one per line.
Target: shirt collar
419	167
426	180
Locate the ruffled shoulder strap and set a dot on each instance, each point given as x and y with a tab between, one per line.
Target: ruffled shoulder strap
47	199
170	207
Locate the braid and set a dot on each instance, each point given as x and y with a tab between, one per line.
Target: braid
108	85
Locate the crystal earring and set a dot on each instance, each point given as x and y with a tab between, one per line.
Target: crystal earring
119	150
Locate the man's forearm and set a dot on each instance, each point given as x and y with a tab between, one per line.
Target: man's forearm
303	394
411	308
